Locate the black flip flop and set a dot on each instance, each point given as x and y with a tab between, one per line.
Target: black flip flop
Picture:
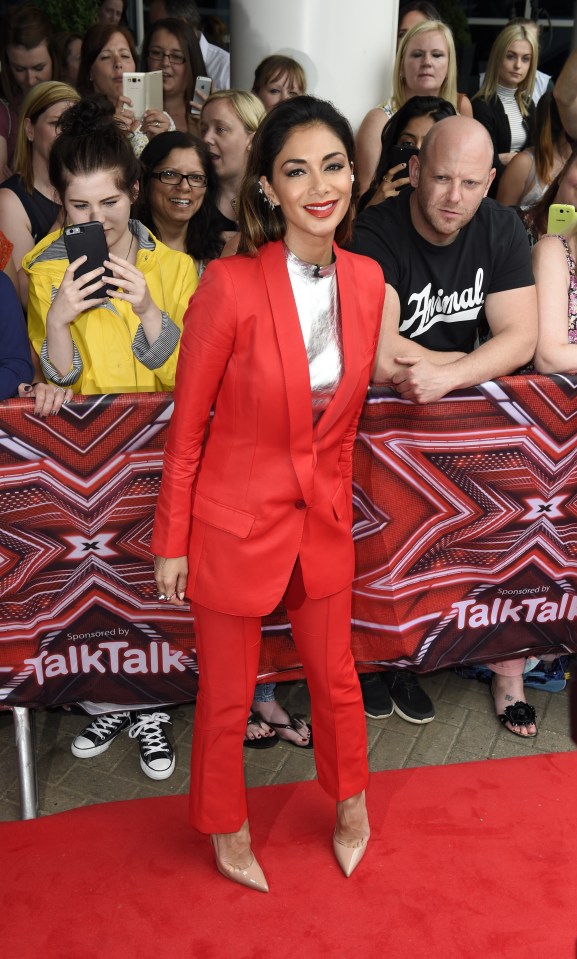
263	742
292	725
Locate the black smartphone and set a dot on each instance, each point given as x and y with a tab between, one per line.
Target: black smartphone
401	154
87	239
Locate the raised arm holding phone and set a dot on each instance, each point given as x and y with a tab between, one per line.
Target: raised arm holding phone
115	328
171	46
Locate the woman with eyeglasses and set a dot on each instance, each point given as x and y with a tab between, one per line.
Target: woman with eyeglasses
177	200
171	46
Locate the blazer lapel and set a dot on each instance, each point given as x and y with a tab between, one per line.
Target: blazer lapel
354	346
294	363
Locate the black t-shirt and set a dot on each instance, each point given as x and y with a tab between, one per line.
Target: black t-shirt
442	289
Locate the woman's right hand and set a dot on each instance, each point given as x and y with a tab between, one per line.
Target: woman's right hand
124	114
75	296
48	398
387	188
171	575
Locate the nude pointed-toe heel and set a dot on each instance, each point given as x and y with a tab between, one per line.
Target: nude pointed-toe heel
349	855
251	876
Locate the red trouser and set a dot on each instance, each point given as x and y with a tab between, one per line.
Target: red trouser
228	654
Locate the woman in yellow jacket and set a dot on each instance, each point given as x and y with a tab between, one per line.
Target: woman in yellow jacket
126	340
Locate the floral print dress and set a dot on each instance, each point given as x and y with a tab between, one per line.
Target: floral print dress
572	303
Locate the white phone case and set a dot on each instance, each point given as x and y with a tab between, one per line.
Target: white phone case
145	91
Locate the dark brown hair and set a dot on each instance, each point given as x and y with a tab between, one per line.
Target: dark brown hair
28	27
536	216
203	239
258	223
90	140
95	39
184	33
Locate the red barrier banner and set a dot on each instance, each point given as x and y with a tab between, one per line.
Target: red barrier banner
465	530
466	525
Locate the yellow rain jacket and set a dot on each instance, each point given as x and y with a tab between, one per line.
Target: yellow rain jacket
111	352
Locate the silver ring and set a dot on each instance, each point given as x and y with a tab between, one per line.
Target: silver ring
162	596
157	123
60	388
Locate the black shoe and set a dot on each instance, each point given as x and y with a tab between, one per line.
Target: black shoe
410	701
376	697
156	754
97	736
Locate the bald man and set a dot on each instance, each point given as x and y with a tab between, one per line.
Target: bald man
454	262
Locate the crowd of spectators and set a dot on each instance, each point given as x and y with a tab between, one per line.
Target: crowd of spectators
165	186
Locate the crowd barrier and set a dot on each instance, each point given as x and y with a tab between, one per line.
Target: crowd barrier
465	528
465	532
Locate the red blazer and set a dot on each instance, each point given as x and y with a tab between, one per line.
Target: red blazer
264	486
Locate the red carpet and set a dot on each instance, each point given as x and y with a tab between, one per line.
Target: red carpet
468	861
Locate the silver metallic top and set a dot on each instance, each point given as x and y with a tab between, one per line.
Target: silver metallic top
317	300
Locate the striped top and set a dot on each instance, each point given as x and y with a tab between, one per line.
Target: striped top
515	117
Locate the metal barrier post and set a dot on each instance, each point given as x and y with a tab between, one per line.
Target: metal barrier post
24	735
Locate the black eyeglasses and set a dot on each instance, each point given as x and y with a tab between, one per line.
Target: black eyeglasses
195	180
158	56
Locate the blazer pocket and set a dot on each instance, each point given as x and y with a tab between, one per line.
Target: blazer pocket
339	502
227	518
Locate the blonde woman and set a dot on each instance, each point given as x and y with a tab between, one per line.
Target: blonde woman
504	103
29	209
228	122
425	65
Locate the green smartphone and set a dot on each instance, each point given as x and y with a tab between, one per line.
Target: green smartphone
562	218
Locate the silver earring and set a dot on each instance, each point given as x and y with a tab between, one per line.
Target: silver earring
352	177
265	197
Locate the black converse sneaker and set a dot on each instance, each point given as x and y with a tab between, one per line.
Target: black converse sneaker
156	754
96	737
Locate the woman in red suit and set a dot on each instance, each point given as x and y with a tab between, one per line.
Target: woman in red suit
281	342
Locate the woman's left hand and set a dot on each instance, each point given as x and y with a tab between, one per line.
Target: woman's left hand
154	122
389	187
48	399
131	280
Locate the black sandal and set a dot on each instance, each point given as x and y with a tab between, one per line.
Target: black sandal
263	742
295	722
519	714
